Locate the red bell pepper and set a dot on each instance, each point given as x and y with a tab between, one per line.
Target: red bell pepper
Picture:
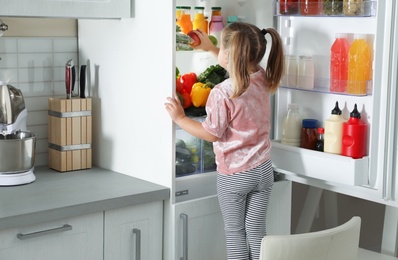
188	80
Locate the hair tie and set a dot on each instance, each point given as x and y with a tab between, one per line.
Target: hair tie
264	31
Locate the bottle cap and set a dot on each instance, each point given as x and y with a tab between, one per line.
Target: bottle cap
355	113
341	35
336	110
232	19
321	130
199	8
310	123
359	36
216	8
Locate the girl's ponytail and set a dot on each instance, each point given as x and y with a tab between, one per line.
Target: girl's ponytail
275	64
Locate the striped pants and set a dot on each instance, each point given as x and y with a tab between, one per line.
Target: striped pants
243	199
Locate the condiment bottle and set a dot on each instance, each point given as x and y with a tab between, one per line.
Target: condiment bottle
291	128
332	7
359	65
305	73
320	142
354	136
309	134
288	7
334	131
216	28
339	63
310	7
199	19
185	22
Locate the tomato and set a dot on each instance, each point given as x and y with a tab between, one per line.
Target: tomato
187	101
188	80
179	86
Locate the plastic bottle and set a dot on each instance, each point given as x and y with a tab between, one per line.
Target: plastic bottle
199	19
178	12
339	63
334	131
291	71
309	134
320	142
185	22
354	136
305	77
216	28
359	65
291	128
310	7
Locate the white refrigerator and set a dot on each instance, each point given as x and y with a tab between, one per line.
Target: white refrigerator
131	70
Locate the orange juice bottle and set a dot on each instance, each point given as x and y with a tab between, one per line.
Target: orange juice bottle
199	18
178	12
359	65
185	22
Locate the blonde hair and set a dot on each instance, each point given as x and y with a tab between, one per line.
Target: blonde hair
246	47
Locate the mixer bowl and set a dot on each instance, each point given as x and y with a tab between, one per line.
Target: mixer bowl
17	152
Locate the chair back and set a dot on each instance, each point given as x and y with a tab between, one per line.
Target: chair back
339	243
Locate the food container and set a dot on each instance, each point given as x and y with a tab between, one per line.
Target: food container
17	152
193	155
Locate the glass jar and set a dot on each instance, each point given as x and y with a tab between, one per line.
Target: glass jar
332	7
353	7
291	128
310	7
288	7
309	134
215	11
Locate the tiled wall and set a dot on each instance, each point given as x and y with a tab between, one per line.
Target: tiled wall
36	65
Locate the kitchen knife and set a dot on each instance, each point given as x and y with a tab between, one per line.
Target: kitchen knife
83	81
73	81
69	78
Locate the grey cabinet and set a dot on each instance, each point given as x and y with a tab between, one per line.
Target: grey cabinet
72	238
67	8
134	232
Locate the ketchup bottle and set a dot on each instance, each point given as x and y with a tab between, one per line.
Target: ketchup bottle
354	136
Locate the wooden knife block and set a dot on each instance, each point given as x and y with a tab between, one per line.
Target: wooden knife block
70	134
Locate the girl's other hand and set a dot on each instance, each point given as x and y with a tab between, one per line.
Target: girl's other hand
174	108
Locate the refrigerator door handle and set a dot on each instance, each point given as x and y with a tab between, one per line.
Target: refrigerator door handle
184	218
391	141
137	233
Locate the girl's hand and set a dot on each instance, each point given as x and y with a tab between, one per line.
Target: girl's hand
205	43
174	108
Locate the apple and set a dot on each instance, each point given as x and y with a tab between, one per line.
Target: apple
195	38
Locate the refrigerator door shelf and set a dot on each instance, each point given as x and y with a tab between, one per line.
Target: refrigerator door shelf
319	165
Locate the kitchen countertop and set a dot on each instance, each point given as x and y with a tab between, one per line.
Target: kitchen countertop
57	195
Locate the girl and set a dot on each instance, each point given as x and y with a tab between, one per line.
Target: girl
238	122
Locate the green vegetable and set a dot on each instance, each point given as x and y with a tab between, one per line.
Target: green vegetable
183	38
183	47
213	75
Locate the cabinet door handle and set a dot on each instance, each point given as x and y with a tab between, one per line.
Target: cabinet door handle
64	228
184	218
137	233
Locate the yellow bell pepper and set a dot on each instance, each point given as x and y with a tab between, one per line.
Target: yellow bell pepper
199	94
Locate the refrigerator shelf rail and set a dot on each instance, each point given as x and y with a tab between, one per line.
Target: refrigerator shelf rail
321	85
283	8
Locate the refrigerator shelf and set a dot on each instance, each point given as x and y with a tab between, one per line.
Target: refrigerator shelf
367	9
319	165
321	85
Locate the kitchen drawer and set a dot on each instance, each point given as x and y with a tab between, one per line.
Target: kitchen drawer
66	239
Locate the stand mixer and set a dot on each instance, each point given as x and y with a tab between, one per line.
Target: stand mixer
17	145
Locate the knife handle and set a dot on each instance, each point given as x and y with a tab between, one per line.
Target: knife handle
82	81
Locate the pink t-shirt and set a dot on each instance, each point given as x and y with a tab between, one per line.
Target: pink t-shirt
242	125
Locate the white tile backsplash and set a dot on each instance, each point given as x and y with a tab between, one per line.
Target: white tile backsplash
36	65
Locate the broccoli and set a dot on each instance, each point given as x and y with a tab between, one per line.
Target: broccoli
213	75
